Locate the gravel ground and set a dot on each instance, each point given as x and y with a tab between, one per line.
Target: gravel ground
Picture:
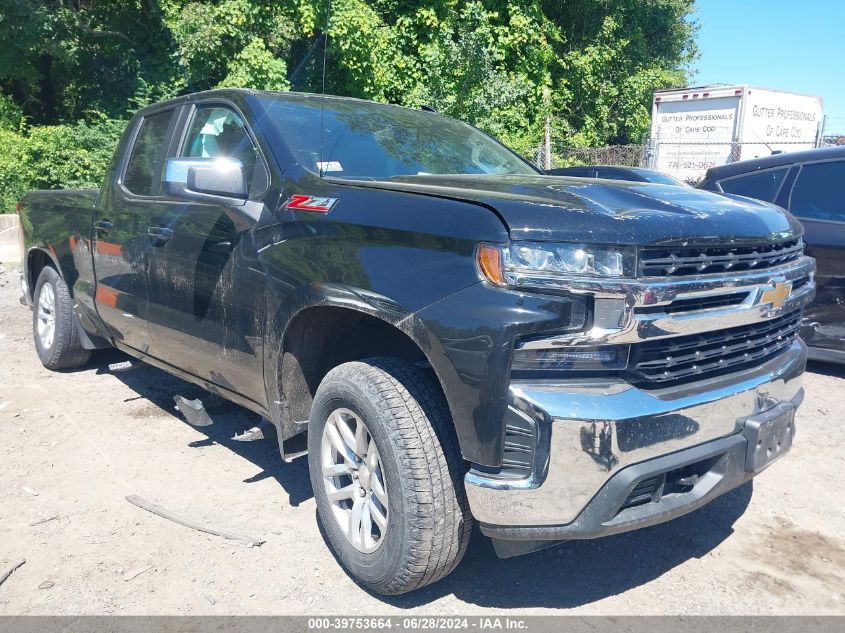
74	445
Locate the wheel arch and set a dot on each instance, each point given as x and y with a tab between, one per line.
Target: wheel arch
36	260
323	327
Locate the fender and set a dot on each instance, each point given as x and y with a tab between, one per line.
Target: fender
89	340
280	316
43	250
64	222
357	300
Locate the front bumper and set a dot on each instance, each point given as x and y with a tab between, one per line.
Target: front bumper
595	442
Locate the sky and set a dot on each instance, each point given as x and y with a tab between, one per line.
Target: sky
797	46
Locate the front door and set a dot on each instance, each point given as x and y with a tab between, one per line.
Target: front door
123	251
207	317
817	200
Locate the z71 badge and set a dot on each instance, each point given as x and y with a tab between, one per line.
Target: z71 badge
314	204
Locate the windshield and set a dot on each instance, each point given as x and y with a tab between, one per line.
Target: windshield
371	141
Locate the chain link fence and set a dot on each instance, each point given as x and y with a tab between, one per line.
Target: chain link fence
561	156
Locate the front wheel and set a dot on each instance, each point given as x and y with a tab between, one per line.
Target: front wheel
387	475
53	326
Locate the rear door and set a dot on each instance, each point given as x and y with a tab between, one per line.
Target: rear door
122	248
207	314
818	200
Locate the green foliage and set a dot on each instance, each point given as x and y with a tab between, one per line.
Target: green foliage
12	185
73	156
502	65
11	115
465	77
610	88
256	67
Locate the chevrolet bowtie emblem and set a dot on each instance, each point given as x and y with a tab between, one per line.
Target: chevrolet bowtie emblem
778	295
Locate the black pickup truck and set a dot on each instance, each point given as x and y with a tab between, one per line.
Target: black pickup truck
452	335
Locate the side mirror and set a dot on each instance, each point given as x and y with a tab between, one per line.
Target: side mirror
214	181
206	179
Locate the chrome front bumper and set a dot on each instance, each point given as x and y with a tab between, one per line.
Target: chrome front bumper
589	432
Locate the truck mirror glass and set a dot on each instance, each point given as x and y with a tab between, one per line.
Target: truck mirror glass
213	181
196	178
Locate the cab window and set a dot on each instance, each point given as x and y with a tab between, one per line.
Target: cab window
217	132
762	185
145	165
817	193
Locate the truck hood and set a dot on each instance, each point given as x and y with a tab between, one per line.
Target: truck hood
555	208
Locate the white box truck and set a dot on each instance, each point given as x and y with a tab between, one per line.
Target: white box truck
695	129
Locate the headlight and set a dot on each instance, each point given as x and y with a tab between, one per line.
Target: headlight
518	262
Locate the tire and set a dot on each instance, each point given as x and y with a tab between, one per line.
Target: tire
428	519
62	348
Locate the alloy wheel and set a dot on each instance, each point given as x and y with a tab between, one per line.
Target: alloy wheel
354	480
46	316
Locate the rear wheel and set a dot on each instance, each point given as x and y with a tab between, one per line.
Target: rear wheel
387	475
53	324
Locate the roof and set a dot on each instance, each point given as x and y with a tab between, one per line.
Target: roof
229	93
778	160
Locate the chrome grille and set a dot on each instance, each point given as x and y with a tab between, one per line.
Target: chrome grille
680	261
696	304
668	360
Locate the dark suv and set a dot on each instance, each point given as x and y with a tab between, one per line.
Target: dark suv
811	185
613	172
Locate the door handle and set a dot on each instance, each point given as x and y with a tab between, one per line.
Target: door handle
159	234
103	226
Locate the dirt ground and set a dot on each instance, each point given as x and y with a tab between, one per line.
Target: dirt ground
74	445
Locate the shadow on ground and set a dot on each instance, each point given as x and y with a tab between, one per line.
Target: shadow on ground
833	370
568	575
159	388
578	573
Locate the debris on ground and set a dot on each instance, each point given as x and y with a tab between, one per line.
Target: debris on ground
263	430
193	410
125	365
29	491
170	516
11	571
47	584
44	520
134	573
210	598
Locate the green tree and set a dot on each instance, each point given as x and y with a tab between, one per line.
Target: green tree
503	66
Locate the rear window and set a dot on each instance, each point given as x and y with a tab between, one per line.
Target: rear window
143	171
818	192
763	185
